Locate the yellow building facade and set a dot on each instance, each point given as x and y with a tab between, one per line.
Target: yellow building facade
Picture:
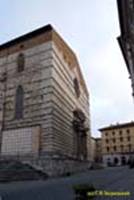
117	143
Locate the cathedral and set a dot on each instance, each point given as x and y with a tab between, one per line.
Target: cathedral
44	103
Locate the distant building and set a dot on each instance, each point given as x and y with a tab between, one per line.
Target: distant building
96	154
117	143
44	103
98	150
126	39
92	149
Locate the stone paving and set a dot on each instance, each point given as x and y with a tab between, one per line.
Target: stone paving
110	179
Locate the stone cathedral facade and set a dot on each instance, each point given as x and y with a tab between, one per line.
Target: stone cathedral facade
44	103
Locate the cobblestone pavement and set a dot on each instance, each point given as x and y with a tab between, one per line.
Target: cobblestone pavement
111	179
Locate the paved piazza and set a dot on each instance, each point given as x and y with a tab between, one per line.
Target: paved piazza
111	179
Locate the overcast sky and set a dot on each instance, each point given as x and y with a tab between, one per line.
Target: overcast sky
90	27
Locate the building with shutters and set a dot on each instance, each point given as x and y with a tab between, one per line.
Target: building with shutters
117	143
44	103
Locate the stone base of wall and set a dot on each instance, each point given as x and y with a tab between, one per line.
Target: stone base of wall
52	164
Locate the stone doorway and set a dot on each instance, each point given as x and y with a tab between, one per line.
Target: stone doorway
81	134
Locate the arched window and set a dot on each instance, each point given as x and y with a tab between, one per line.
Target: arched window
76	87
20	62
19	103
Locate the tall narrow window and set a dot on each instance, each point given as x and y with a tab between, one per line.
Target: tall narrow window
108	149
20	62
120	132
19	103
128	131
106	134
113	133
76	87
107	141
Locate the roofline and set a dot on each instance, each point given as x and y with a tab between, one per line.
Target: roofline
121	4
99	138
129	124
44	29
26	36
94	138
120	41
120	14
